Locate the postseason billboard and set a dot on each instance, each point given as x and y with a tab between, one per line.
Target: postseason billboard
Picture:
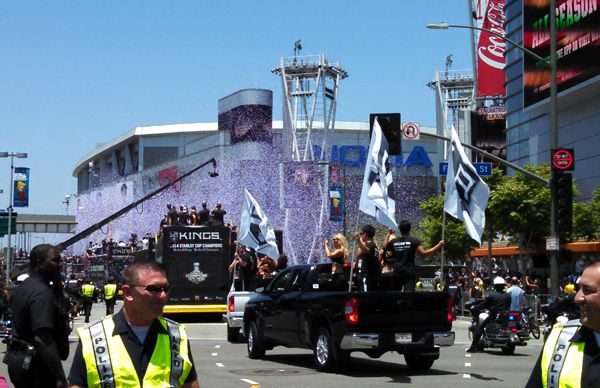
577	45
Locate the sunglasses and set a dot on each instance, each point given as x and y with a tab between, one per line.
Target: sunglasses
154	288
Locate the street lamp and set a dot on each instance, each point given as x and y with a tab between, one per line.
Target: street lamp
67	201
12	156
553	121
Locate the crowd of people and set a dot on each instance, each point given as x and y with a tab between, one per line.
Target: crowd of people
204	216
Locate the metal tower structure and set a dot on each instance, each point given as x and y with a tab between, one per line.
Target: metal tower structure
310	88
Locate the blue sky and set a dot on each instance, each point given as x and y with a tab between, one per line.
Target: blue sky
77	73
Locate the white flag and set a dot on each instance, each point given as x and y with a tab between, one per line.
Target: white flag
255	230
376	197
466	193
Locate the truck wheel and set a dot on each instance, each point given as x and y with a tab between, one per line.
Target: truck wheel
233	334
418	363
327	355
508	349
256	349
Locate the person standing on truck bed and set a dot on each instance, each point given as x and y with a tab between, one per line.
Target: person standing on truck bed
203	214
367	259
218	214
339	257
404	249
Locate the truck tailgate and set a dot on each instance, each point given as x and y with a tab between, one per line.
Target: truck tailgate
397	311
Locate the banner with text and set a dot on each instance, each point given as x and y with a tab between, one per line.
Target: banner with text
577	45
21	187
490	48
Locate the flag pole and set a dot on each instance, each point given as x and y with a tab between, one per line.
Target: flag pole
353	253
444	239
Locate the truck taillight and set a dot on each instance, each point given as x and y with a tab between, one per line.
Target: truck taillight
231	304
449	313
351	311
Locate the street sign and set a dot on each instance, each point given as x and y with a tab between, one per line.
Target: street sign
411	131
483	169
563	159
552	244
4	223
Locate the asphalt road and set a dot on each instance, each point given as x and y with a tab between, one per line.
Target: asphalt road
222	365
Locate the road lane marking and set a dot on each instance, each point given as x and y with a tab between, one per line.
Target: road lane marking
217	346
468	355
249	381
466	376
220	365
467	364
214	354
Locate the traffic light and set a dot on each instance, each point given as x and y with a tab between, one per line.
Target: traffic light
390	126
563	201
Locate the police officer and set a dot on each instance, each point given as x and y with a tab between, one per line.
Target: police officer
145	349
110	296
87	294
40	323
570	355
495	301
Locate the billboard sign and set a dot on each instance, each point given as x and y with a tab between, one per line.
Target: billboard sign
491	48
577	46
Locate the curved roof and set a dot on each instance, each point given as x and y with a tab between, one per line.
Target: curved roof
172	129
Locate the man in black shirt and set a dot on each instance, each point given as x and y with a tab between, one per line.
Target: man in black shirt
495	301
40	320
203	214
367	259
172	215
403	249
219	214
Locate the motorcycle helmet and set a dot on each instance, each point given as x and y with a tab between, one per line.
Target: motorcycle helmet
498	280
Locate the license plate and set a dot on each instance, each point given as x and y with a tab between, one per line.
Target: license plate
403	338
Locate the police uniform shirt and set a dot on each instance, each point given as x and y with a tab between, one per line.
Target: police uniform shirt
139	353
404	249
35	307
590	375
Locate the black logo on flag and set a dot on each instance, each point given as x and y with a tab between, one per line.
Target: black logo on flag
466	180
257	234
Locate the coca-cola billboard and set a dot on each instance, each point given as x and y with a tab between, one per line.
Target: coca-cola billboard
577	45
490	48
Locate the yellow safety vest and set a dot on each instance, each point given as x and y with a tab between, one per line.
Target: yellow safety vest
562	360
105	353
87	290
109	291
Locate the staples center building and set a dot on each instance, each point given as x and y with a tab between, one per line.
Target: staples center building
251	152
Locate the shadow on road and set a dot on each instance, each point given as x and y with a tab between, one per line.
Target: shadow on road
360	367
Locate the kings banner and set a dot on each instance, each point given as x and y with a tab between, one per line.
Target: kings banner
21	187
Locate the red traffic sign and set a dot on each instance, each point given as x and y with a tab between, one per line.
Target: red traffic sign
411	131
563	159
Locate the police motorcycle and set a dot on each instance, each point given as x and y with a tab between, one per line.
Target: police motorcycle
504	331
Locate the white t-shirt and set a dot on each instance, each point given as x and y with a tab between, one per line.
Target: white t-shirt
140	331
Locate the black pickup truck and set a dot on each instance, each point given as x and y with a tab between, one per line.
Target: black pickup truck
306	307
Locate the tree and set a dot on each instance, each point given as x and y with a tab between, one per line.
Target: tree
586	218
520	207
458	242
